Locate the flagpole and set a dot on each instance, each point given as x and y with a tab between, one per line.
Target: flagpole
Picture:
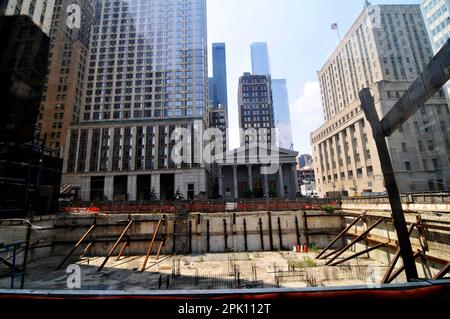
339	33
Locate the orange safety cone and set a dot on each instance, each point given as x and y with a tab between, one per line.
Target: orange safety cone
305	249
298	248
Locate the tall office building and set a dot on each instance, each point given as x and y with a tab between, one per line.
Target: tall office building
385	49
219	75
255	107
260	58
40	11
436	15
282	115
23	67
218	96
69	52
147	76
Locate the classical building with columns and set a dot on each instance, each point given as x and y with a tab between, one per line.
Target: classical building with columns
243	176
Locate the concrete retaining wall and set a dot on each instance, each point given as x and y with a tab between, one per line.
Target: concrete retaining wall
69	228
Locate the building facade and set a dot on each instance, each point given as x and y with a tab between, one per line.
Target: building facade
260	58
243	176
147	77
40	11
219	62
256	108
66	80
282	115
218	96
436	15
23	68
385	49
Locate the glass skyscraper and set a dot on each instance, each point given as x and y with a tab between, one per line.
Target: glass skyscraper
281	112
147	76
260	59
219	79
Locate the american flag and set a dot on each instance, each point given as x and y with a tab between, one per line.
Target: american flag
334	26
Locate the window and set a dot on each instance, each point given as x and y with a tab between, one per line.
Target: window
408	166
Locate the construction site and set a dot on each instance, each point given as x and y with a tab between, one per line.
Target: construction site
131	246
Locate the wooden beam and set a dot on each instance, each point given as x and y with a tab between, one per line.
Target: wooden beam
425	86
379	136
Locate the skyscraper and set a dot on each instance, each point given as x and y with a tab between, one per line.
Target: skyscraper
255	107
220	74
282	115
39	11
147	77
62	98
380	52
436	15
260	58
23	68
218	96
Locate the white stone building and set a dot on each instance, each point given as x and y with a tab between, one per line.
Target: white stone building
385	49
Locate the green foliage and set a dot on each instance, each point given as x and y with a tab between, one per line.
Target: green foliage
305	263
328	208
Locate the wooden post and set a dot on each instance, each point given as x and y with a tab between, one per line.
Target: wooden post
368	105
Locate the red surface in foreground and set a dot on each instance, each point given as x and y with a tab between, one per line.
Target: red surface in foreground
441	291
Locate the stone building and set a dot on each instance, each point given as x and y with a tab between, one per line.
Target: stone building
385	49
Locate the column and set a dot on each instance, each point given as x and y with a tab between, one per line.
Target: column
132	187
250	177
111	149
266	185
109	187
88	152
133	148
235	183
280	181
85	192
220	182
294	177
155	185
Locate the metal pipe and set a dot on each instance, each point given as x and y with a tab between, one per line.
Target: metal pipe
115	245
76	246
341	234
149	250
358	254
357	239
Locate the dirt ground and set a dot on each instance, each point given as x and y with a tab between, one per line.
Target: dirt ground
202	271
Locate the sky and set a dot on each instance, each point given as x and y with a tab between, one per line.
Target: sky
300	39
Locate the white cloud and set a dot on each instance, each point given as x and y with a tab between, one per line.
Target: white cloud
306	116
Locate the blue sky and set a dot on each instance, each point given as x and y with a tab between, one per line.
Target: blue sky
300	39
